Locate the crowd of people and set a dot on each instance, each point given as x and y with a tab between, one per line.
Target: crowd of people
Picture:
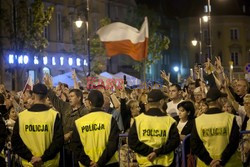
58	126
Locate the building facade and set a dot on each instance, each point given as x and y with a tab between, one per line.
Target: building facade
60	55
230	39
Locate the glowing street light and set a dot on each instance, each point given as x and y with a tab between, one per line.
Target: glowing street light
78	23
194	42
205	18
176	68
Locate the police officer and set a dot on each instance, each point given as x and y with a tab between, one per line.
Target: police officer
38	134
95	137
215	135
3	130
154	135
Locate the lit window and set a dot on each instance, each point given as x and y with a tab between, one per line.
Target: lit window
25	59
53	61
11	59
61	61
70	61
78	61
85	62
20	59
45	60
36	60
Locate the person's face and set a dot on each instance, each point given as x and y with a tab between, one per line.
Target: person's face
134	95
241	88
48	102
144	98
227	108
203	107
58	91
13	114
173	93
29	103
183	114
191	88
74	100
197	97
87	104
135	109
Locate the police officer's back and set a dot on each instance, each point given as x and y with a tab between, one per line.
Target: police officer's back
154	135
95	138
215	135
38	134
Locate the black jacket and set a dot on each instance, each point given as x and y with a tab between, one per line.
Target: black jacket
199	149
187	128
3	133
143	149
107	154
57	142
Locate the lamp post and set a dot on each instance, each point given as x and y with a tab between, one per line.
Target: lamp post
78	25
209	42
195	41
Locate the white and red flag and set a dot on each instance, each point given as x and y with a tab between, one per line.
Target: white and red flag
28	85
120	38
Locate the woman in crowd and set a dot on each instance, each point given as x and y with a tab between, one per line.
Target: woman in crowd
228	107
185	118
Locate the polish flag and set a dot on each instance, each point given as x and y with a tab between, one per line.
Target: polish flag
120	38
28	85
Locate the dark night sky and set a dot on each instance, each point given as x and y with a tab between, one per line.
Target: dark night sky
189	8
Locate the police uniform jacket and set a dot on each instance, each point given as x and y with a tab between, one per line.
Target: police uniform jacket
57	141
199	149
143	149
109	150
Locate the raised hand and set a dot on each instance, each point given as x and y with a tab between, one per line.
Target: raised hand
164	76
48	81
218	66
73	74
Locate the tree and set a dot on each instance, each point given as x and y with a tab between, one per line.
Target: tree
158	42
25	30
97	51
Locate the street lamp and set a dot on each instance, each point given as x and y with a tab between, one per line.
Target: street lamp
195	41
209	42
78	25
176	69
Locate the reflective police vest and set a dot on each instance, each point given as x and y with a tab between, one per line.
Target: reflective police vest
93	126
214	131
153	131
36	131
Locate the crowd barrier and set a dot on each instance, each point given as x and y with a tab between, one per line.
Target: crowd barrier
185	150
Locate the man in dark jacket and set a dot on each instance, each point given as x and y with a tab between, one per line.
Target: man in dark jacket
215	141
96	135
154	135
69	112
38	134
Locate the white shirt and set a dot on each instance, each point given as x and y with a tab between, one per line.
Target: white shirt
172	108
